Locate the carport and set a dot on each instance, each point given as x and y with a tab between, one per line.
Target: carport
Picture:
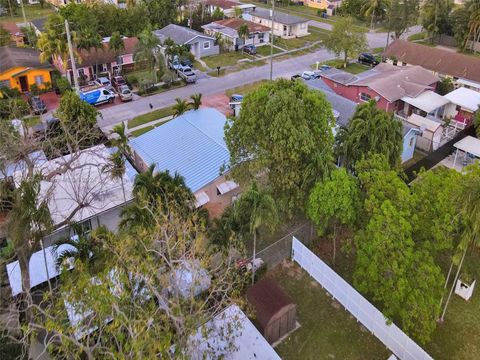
470	146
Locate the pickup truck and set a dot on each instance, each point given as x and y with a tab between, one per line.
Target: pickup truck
187	74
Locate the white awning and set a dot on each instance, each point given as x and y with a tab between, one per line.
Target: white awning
469	145
466	98
201	198
423	123
470	83
226	186
427	101
38	268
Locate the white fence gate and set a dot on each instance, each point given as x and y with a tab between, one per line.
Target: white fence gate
390	335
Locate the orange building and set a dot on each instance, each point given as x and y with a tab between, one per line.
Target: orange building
20	68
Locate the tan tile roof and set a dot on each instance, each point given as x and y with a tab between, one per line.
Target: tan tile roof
442	61
235	23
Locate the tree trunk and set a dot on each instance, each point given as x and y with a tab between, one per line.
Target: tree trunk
446	282
454	283
24	260
123	189
253	258
372	21
345	59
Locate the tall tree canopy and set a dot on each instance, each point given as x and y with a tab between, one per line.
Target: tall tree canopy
346	39
435	16
370	131
284	134
401	14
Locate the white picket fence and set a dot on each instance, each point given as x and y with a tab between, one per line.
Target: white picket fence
390	335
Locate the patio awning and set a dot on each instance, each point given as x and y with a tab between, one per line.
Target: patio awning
469	145
226	186
466	98
427	101
423	123
201	198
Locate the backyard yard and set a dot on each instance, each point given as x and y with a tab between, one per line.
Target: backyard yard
327	330
31	12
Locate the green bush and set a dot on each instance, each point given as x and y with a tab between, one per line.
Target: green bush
417	36
13	108
35	90
132	80
320	12
63	85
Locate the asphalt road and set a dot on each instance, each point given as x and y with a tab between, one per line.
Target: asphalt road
212	85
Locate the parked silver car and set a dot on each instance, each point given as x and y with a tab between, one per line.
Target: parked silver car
125	93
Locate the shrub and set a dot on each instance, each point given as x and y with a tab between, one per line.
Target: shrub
35	90
132	80
13	108
63	85
320	12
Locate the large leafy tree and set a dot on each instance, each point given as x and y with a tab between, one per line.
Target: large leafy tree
370	131
146	50
90	40
334	201
160	12
53	40
283	134
345	39
391	266
401	14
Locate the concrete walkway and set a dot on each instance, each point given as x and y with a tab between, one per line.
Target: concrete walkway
151	123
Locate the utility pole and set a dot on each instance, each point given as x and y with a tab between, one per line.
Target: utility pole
272	14
72	58
25	22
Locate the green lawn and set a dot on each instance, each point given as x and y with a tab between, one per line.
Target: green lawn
352	68
238	67
150	116
265	50
32	120
327	331
225	59
198	66
245	89
31	12
142	131
295	43
417	36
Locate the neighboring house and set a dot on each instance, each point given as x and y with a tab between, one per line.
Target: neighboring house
200	44
86	182
228	31
193	146
343	110
16	34
20	68
323	4
393	88
284	25
38	25
463	69
104	60
228	7
464	103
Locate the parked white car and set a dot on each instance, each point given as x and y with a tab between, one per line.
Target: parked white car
125	93
104	82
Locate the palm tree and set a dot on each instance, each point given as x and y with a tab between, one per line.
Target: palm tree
374	9
116	44
117	160
180	107
259	207
469	201
243	33
473	8
120	139
53	40
196	101
146	49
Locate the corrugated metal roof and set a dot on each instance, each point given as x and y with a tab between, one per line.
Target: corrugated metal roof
192	145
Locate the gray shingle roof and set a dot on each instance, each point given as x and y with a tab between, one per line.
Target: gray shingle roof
279	17
39	23
179	34
12	56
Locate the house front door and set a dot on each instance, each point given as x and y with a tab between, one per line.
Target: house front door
23	83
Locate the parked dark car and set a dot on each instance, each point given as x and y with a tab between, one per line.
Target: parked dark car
117	82
186	62
295	77
37	105
250	49
368	59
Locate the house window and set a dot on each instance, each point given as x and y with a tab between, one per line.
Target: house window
39	80
5	83
365	97
120	60
410	144
206	45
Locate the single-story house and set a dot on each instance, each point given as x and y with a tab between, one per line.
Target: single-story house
284	25
230	335
323	4
343	110
16	35
20	68
228	7
94	62
463	69
193	146
228	31
392	87
200	44
464	103
85	183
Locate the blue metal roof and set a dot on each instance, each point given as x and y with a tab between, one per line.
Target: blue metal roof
192	145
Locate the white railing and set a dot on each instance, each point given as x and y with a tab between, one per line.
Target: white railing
390	335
